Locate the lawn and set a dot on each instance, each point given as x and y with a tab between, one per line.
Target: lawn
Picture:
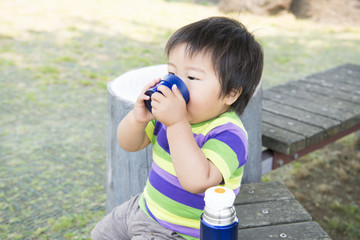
56	58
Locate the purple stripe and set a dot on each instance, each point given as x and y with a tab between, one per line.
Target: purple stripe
173	180
160	132
200	139
174	227
165	175
237	146
180	229
230	127
236	191
177	194
158	126
162	139
149	212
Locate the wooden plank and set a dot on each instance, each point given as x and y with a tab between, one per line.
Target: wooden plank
311	87
329	101
311	133
347	119
269	210
298	231
329	125
280	159
331	82
317	101
262	192
353	73
281	140
347	74
271	213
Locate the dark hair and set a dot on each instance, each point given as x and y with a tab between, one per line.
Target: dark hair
235	54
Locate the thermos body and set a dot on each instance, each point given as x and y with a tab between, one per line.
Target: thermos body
211	232
219	220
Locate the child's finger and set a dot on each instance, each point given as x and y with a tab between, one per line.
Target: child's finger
157	97
151	84
176	91
164	90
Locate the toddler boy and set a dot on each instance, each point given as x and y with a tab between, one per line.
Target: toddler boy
196	145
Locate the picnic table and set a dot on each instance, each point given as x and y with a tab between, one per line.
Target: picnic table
270	211
301	116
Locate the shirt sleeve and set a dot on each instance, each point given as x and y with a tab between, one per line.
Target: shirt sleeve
226	148
149	130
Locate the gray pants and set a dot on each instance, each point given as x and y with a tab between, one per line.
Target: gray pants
128	221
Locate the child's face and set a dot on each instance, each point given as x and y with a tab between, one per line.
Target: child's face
204	86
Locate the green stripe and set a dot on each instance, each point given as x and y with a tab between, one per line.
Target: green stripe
205	127
160	152
228	156
172	206
188	237
149	130
238	172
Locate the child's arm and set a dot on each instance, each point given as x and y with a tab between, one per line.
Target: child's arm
131	130
131	133
195	172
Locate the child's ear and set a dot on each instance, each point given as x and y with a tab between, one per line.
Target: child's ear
233	96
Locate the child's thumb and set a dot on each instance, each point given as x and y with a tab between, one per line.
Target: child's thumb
176	90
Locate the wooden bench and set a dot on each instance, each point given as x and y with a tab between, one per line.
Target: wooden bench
301	116
270	211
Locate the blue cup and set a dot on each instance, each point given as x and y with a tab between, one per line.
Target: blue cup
169	80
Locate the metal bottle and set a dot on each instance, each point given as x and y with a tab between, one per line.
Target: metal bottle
219	220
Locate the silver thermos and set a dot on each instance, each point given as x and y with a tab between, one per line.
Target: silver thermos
219	220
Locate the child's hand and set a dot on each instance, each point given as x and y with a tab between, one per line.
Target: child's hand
170	106
142	114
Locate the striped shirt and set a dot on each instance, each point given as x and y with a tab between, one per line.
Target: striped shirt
223	140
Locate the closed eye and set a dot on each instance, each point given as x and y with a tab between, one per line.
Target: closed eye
192	78
171	73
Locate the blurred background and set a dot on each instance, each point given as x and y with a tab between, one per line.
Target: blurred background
56	58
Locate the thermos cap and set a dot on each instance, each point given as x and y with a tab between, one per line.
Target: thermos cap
218	198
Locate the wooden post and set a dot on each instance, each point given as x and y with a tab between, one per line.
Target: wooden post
127	172
252	120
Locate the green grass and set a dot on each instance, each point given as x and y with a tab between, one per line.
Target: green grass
55	63
349	224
